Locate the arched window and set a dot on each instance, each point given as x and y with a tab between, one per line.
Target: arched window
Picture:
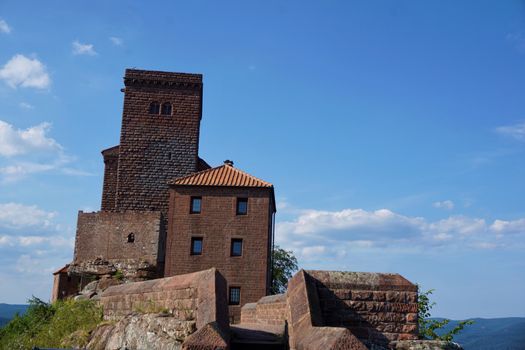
131	238
154	108
166	109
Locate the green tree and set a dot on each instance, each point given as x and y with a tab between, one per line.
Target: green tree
430	328
284	265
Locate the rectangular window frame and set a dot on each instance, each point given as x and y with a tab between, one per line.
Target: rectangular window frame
236	240
192	245
230	301
240	200
192	199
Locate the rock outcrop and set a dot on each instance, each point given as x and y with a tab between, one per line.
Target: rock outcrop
142	331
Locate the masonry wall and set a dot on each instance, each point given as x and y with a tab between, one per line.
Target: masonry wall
199	297
64	286
105	235
217	224
269	310
375	307
109	189
157	148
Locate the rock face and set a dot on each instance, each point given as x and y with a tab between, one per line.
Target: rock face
142	331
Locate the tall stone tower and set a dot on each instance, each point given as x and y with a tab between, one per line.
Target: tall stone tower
159	140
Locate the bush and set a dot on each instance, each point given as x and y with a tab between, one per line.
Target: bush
62	324
431	328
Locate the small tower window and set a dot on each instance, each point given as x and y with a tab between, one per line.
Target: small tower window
154	108
166	109
131	238
235	295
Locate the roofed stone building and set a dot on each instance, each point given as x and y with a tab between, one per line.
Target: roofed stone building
223	217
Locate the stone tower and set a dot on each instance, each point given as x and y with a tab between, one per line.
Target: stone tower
159	140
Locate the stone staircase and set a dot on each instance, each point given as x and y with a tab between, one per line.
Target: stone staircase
258	337
263	325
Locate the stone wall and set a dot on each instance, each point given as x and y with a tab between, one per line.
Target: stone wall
187	311
376	307
64	285
102	241
270	310
156	148
305	323
109	189
218	224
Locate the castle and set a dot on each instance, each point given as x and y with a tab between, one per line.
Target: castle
194	245
164	210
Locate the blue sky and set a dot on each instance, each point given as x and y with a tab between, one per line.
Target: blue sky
394	132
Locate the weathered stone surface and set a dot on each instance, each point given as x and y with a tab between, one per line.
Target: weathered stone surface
142	331
209	337
425	345
199	296
130	241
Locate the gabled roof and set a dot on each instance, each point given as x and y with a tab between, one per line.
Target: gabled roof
61	270
224	175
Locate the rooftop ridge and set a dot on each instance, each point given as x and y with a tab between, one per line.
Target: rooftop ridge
223	175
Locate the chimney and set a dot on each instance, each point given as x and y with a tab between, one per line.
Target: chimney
228	162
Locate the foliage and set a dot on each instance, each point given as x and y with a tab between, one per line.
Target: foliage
61	324
119	275
432	328
284	266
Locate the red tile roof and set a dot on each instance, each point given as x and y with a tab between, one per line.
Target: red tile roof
224	175
61	270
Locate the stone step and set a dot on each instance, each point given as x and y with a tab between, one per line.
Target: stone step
257	336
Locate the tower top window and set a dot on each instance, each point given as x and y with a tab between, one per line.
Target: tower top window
166	109
154	108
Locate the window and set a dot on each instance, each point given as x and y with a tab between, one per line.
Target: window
131	237
242	206
196	245
166	109
235	295
154	108
195	205
236	247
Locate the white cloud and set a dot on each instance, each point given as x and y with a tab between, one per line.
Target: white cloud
25	72
83	49
448	204
31	151
30	265
315	233
15	142
4	27
20	216
502	227
25	105
116	40
516	131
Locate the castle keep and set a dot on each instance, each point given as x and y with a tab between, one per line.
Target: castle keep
164	210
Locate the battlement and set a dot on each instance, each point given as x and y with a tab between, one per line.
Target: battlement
137	77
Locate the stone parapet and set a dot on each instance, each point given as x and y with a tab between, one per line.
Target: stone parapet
376	307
